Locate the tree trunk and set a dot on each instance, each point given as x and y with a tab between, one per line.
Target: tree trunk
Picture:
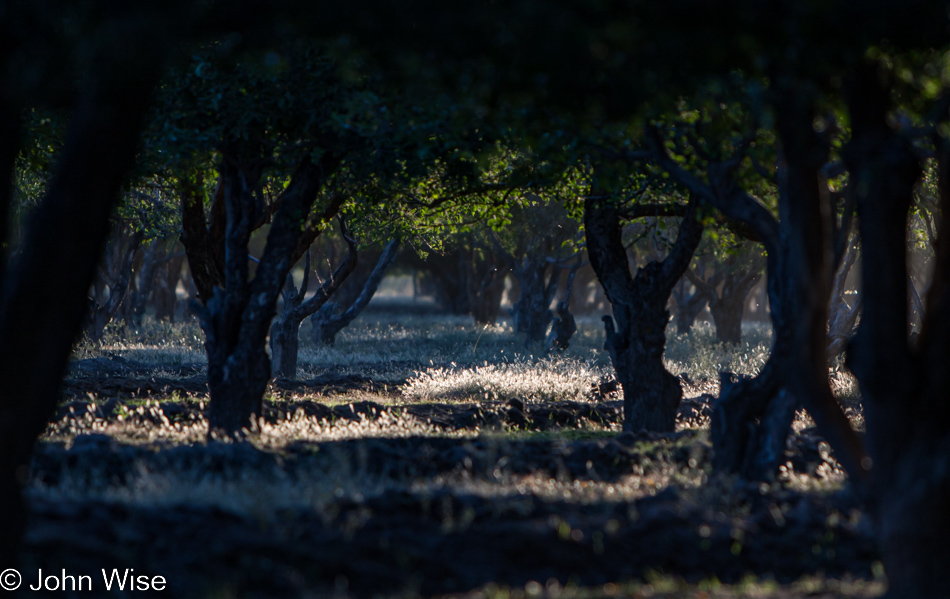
152	259
564	325
903	385
115	272
164	293
729	307
537	280
326	323
285	332
636	344
41	314
799	255
487	284
688	306
236	320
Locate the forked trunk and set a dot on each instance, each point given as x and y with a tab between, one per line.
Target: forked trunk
327	323
637	342
237	318
285	332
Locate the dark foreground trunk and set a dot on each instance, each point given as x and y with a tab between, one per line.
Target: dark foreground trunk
41	315
636	344
904	385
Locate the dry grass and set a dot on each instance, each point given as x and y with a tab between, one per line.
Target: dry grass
548	379
660	586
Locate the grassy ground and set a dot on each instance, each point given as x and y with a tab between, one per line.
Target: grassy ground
427	456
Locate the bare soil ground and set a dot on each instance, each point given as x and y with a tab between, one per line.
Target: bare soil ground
419	498
422	457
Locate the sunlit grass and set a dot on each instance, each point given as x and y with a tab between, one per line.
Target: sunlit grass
155	342
562	379
664	586
700	356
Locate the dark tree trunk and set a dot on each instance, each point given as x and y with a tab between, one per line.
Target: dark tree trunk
487	276
202	243
537	278
688	306
114	273
726	294
564	325
799	259
153	258
41	314
164	293
236	320
468	280
285	332
800	273
327	323
903	385
727	311
651	394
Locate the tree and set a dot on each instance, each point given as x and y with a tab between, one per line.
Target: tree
537	246
637	340
727	289
332	318
101	69
112	279
467	276
285	331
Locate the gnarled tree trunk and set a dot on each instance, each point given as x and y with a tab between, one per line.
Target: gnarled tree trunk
651	394
236	319
904	385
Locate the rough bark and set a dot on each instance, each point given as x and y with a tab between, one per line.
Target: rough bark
799	258
285	332
327	323
236	320
41	315
636	343
903	385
